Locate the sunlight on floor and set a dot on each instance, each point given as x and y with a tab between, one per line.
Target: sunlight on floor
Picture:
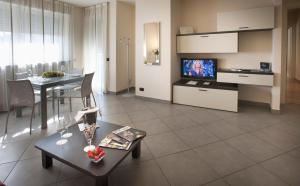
25	131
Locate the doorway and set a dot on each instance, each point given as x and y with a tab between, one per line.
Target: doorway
293	57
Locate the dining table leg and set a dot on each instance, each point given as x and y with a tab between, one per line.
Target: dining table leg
62	100
18	112
44	108
47	161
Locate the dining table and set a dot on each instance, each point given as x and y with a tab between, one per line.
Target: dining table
42	84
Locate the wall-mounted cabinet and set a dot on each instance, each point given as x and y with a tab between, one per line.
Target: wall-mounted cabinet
208	43
249	19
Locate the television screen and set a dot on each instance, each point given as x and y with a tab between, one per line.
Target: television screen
199	68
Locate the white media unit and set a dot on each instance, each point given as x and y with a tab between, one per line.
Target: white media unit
222	96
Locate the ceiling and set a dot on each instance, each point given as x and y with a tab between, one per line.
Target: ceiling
85	3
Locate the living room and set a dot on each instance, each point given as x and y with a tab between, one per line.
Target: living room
149	92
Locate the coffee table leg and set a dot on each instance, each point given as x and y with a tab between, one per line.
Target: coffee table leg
103	181
46	161
136	153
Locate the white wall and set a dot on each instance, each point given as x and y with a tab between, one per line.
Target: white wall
112	45
175	25
202	14
125	29
279	54
254	47
156	80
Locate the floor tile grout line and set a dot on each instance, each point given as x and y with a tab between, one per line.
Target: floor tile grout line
196	154
213	182
157	164
252	133
252	164
195	146
226	141
67	179
10	171
256	164
19	159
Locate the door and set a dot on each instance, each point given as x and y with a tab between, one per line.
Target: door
293	65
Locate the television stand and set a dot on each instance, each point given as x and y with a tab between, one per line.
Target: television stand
196	82
221	96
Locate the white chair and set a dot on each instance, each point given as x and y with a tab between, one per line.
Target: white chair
21	94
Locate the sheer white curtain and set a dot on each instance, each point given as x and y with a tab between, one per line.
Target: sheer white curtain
95	45
35	35
6	50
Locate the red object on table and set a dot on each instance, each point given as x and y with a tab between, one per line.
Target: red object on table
1	184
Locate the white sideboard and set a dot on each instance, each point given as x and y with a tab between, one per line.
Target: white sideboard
247	79
221	99
248	19
208	43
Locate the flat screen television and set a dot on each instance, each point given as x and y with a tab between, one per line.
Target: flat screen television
202	69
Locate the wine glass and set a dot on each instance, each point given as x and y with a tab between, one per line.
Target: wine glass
63	68
29	73
89	134
68	121
60	127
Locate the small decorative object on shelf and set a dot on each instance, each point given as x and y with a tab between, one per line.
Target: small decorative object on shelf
51	74
96	155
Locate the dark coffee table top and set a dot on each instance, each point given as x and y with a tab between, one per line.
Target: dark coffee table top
73	155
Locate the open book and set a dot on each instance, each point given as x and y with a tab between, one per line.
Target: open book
129	133
115	142
81	113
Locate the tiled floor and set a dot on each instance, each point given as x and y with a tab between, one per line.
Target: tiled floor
185	146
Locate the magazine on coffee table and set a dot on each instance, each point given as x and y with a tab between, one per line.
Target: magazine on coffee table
129	133
115	142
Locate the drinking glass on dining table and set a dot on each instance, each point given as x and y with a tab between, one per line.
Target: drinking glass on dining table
61	129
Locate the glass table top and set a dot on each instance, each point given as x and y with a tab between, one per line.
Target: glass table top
39	80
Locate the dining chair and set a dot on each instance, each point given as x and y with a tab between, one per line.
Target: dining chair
84	94
74	71
21	94
50	91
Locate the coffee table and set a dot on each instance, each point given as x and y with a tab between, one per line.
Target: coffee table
72	153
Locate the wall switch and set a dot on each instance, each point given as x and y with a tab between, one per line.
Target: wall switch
141	89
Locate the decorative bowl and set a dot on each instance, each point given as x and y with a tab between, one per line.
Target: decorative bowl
51	74
96	155
97	161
